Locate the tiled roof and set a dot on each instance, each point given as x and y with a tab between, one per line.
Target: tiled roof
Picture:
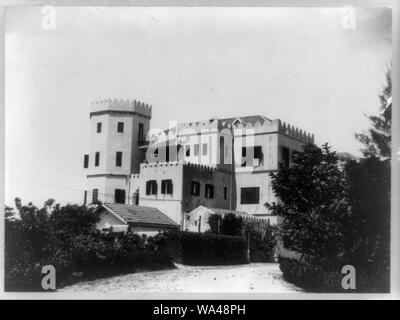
251	119
140	214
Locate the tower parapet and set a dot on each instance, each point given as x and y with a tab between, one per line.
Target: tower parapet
120	106
294	132
198	126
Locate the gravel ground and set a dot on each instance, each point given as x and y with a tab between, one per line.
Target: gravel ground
255	278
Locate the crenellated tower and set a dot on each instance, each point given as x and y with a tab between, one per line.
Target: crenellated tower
117	129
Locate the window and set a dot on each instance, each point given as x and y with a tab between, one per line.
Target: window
221	150
209	191
285	156
187	152
195	188
119	196
250	195
97	159
293	155
84	197
196	149
141	133
151	187
258	156
205	146
167	154
243	164
95	195
166	186
136	197
120	127
118	159
225	193
98	127
86	161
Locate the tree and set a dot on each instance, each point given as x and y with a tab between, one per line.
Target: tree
369	237
262	240
313	201
73	219
214	221
228	224
231	225
377	140
25	246
40	237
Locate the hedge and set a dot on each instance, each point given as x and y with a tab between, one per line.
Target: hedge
84	257
314	279
204	248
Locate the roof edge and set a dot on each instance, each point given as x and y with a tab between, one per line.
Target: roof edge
116	215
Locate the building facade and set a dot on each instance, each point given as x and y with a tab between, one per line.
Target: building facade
216	163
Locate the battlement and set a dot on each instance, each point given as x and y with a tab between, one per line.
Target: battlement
159	165
121	105
261	122
265	125
200	167
294	132
195	166
198	126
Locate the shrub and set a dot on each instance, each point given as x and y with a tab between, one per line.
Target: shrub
368	246
262	236
314	205
227	224
315	279
301	274
205	248
67	239
262	241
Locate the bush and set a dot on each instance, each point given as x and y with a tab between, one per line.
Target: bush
262	241
315	279
313	196
262	235
227	224
67	239
205	248
302	274
368	246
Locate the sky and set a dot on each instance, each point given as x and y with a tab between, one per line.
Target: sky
306	66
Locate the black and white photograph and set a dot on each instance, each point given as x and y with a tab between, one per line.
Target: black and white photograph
210	150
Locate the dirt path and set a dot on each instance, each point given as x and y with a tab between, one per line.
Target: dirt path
257	277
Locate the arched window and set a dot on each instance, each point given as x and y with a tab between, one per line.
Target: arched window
221	150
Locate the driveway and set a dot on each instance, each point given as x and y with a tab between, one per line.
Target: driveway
254	278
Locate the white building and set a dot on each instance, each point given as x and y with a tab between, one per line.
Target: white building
215	163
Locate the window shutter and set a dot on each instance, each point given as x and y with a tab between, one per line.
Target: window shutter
148	187
163	186
155	187
170	187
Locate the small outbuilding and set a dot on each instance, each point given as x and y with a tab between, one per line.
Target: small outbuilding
143	220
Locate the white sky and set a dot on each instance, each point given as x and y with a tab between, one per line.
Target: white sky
299	65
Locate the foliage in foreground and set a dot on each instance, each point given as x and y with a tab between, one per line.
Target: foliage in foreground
262	236
377	140
314	205
66	238
204	248
335	217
